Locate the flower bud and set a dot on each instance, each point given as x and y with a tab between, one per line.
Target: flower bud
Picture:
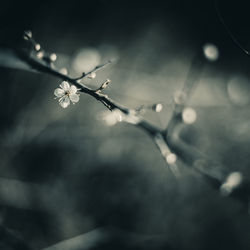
40	54
157	107
92	75
52	57
37	47
27	35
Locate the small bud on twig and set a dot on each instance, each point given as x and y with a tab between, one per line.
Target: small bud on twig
180	97
27	35
52	57
104	85
157	107
92	75
233	181
40	54
189	115
63	71
171	158
37	47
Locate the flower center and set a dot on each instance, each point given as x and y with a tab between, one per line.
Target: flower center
67	93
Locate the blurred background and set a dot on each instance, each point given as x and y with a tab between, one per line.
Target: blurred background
65	172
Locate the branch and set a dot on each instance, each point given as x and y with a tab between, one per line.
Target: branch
104	99
112	238
128	115
168	141
229	184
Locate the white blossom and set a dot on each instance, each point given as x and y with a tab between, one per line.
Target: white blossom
66	93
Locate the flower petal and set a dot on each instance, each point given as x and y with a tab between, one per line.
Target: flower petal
65	86
59	92
64	102
73	89
74	98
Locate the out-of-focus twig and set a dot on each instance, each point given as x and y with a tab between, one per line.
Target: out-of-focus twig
112	238
191	156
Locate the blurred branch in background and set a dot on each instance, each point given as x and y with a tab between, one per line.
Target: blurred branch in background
237	187
8	240
112	238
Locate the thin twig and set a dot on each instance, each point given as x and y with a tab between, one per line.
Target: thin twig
232	36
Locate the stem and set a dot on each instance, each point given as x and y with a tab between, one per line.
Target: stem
40	66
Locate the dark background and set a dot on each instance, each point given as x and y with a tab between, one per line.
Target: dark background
64	172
